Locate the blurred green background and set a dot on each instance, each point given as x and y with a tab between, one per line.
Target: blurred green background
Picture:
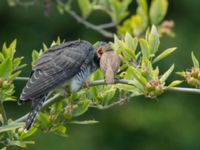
171	122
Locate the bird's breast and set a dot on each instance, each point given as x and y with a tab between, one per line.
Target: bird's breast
77	81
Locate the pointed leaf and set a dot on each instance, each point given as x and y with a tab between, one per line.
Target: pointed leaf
30	132
85	7
131	42
174	83
194	60
153	40
81	108
166	74
158	10
145	48
164	54
6	68
138	76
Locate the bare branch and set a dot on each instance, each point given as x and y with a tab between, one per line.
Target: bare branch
46	104
107	25
26	3
90	25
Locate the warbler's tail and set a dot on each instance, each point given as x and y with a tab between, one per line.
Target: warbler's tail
109	76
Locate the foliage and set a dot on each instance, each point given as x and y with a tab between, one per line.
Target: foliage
192	76
117	10
137	42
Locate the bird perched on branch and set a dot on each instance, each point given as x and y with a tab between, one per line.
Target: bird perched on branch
109	62
70	62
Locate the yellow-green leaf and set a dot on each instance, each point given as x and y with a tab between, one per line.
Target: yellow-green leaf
153	40
164	54
174	83
166	74
194	60
85	7
6	68
81	108
145	48
158	10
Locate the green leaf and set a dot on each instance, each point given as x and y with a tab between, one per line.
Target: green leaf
59	129
18	143
2	58
85	122
30	132
85	7
10	51
131	42
14	75
174	83
35	56
145	48
181	73
45	48
81	108
138	76
11	127
6	68
43	119
194	60
166	74
164	54
17	61
158	10
153	40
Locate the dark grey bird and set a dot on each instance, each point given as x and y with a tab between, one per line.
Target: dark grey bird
71	62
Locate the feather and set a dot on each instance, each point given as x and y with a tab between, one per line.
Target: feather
57	65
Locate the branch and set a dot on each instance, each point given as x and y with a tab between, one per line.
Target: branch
102	82
25	3
45	105
123	81
97	28
107	25
22	78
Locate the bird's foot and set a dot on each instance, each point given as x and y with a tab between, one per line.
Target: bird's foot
86	84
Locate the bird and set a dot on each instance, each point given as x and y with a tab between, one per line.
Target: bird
109	62
70	62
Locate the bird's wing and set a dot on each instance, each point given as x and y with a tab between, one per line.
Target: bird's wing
57	65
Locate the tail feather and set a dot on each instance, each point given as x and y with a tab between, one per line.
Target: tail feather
109	76
32	115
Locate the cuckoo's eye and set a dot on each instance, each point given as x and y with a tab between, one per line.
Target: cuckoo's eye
99	52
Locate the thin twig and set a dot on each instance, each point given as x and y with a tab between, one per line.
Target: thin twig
183	90
25	3
22	78
90	25
122	81
46	104
107	25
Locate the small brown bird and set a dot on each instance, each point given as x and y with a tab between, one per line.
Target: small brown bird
109	62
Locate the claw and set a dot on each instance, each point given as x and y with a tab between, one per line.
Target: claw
86	84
